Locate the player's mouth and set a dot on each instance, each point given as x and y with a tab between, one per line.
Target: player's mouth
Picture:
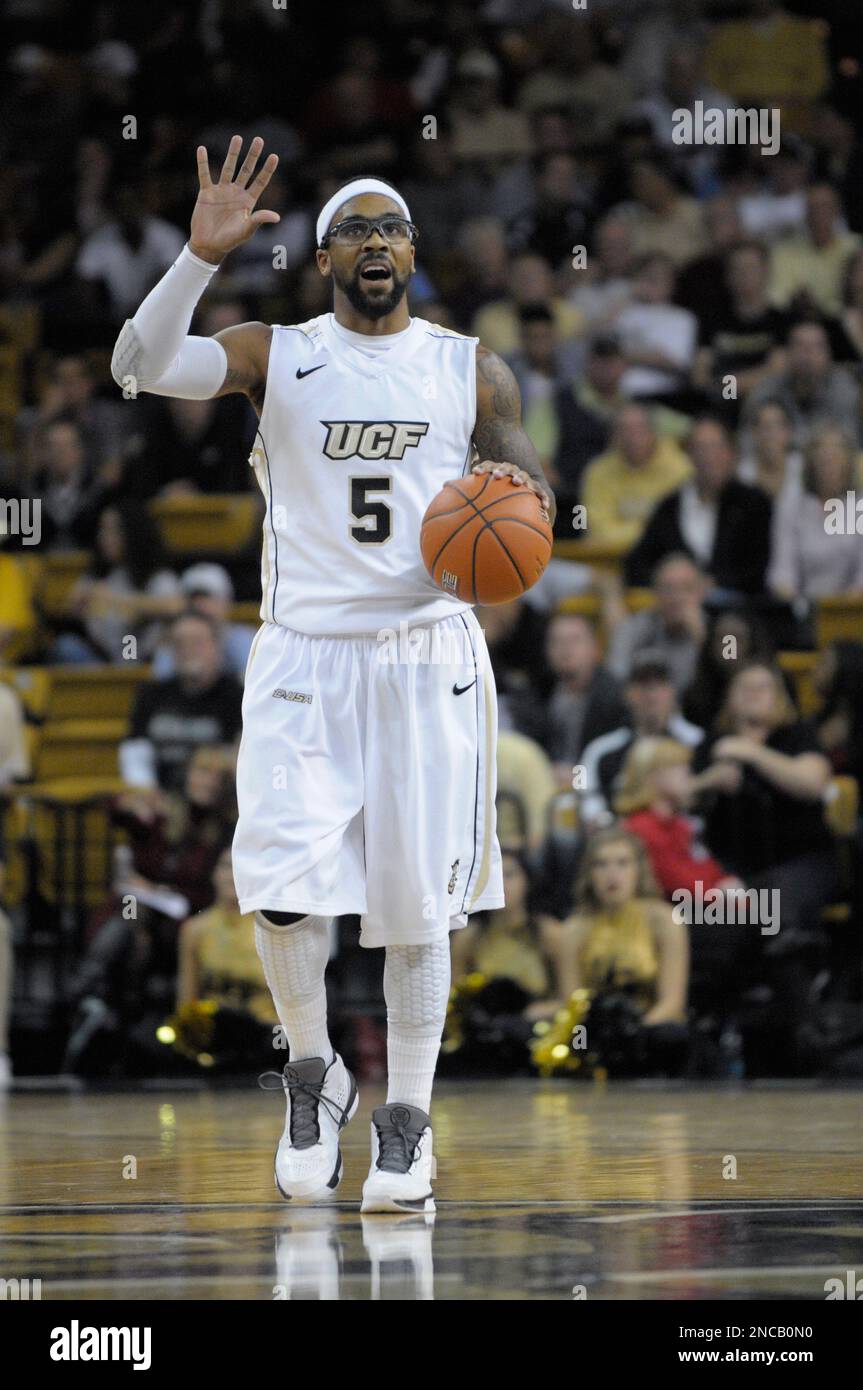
376	272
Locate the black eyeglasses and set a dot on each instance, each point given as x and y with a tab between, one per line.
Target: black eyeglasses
354	230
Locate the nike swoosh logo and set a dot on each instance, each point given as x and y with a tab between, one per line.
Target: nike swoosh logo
308	371
460	689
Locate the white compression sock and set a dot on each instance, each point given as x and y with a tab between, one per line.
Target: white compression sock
295	959
416	989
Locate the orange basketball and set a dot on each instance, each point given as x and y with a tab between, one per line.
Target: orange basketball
484	539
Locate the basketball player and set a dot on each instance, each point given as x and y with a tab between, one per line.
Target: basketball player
364	786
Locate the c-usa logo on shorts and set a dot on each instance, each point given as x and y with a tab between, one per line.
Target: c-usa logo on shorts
372	439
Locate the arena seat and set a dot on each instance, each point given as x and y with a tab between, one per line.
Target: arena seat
600	555
68	746
840	617
217	524
60	573
70	827
586	605
94	692
249	612
13	820
800	667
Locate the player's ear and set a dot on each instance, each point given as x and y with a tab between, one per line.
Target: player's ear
323	260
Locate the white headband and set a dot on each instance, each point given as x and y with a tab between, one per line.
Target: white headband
353	190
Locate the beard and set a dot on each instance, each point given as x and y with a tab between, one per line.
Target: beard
368	300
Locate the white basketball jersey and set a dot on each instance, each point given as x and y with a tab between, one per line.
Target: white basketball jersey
350	451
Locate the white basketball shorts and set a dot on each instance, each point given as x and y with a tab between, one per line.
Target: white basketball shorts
366	779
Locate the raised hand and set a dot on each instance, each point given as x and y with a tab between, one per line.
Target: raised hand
223	216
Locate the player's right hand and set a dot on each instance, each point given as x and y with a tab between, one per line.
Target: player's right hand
223	216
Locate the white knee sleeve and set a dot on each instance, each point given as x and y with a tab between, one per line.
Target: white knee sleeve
295	956
416	987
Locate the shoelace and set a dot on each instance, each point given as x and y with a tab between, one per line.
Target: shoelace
306	1096
396	1151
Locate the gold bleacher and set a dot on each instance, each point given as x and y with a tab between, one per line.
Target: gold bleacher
218	524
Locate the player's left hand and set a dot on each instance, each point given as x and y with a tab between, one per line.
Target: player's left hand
517	476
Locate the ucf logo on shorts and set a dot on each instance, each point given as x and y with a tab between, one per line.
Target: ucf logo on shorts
372	439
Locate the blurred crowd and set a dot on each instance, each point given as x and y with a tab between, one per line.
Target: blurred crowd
685	322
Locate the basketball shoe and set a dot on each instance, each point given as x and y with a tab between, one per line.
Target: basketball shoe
320	1101
402	1161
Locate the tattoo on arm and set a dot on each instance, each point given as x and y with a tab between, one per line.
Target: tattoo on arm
498	433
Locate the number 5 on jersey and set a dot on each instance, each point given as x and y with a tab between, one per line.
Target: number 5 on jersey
379	532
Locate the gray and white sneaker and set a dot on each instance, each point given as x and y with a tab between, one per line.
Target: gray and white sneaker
403	1164
320	1101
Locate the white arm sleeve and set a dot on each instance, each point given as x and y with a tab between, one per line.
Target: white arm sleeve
153	351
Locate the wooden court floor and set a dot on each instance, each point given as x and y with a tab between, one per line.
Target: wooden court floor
545	1190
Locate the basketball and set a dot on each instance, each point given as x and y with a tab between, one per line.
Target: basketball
485	540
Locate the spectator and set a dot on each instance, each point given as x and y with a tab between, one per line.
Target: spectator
530	282
649	36
585	701
219	968
770	58
851	317
674	629
723	524
442	197
651	712
556	221
624	940
777	207
525	787
208	589
622	486
663	219
604	284
127	254
838	678
681	86
61	481
511	943
171	718
772	463
14	756
811	389
515	637
701	286
484	273
585	410
6	968
808	271
539	373
128	589
745	345
191	446
70	395
654	792
485	134
810	558
733	639
571	75
174	842
762	779
514	194
657	338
